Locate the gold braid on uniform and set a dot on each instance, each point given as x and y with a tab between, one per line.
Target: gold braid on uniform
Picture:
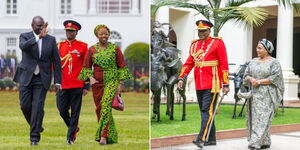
67	58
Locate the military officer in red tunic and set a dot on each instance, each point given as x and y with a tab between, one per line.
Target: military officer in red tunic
207	55
72	53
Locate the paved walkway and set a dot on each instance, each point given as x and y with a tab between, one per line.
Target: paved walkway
281	141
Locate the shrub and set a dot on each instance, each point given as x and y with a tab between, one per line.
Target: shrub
8	82
2	86
144	83
128	85
137	53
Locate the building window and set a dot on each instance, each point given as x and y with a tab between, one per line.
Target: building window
115	37
113	6
11	41
11	6
65	6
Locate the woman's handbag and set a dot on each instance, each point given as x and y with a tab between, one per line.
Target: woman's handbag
244	92
118	103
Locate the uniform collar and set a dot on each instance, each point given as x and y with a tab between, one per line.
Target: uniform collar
207	39
71	42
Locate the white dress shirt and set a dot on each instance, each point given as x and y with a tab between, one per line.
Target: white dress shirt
39	42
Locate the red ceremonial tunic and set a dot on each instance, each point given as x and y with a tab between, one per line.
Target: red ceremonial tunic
208	58
72	55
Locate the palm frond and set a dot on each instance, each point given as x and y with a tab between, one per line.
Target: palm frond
287	3
156	4
211	3
296	7
232	3
205	10
249	16
216	3
284	2
253	16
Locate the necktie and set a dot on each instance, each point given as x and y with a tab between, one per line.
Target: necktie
37	68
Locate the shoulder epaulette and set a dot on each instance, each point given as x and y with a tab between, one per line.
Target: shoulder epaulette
219	38
58	43
82	42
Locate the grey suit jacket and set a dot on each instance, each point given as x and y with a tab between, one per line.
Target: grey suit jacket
49	60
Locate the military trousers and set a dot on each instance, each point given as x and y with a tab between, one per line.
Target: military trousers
70	99
207	102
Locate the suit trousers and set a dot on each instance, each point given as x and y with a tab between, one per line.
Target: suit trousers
32	100
207	106
68	99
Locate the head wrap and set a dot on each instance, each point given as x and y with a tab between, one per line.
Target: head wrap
100	26
267	45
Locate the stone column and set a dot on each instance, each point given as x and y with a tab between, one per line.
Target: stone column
135	7
285	51
92	9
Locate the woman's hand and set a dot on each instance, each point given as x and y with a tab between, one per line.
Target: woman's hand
120	87
250	79
93	80
255	83
180	84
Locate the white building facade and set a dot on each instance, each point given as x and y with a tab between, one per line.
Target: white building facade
282	27
127	19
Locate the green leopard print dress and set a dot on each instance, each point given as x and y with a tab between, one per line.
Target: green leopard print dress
106	59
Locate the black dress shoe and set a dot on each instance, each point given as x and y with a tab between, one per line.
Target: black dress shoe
265	146
198	143
70	142
252	148
34	143
208	143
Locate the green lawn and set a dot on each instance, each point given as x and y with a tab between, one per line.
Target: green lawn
223	120
132	125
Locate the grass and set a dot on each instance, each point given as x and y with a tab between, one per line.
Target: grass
223	120
132	125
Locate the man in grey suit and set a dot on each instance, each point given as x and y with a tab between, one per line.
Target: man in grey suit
39	56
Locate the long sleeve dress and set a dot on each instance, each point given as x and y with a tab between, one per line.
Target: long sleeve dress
265	100
108	68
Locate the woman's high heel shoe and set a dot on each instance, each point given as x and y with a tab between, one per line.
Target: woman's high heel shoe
103	141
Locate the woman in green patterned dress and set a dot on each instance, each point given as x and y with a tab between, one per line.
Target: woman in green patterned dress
105	67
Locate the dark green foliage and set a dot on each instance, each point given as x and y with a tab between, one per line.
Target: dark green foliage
8	82
2	86
137	53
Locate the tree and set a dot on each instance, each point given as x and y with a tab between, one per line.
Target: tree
232	10
137	53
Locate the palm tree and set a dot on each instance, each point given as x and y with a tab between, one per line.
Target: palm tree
232	10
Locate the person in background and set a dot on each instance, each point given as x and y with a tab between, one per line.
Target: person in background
2	66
